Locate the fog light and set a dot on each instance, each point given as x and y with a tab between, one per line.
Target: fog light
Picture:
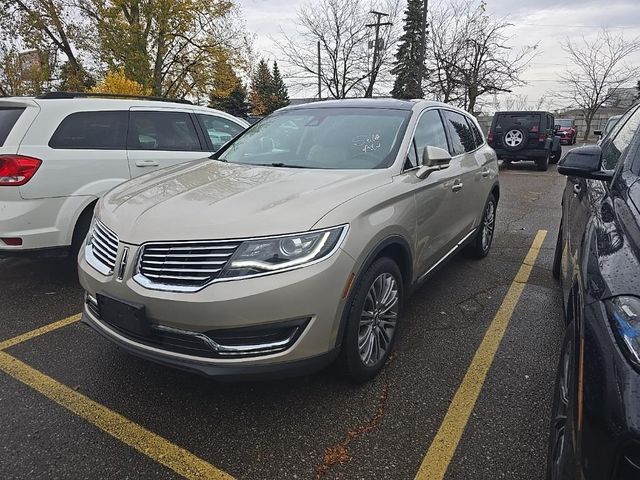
12	241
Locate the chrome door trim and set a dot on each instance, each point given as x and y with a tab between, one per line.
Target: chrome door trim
448	254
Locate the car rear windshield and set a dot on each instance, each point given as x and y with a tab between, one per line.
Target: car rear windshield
529	122
564	123
8	118
328	138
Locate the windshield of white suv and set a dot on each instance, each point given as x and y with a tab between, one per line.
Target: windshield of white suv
328	138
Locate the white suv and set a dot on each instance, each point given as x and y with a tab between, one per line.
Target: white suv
60	152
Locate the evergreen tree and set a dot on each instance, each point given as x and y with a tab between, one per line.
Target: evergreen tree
279	92
407	66
261	88
235	103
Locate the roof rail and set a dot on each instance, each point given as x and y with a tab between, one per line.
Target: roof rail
60	95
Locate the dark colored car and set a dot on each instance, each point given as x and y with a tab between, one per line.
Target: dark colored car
595	427
566	130
529	135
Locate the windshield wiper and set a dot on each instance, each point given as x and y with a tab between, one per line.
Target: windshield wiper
286	165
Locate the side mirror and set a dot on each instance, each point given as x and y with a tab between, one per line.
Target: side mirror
433	159
597	133
584	162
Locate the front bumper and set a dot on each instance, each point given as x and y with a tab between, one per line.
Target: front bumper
314	293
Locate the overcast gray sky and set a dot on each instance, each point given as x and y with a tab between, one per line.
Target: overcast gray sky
546	22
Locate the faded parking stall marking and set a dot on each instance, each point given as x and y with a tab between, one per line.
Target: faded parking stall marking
443	447
146	442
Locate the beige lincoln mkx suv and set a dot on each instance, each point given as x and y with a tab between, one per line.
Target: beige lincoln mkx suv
296	244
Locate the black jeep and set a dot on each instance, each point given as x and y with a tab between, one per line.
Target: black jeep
519	136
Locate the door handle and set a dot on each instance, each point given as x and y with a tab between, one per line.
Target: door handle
577	188
147	163
485	173
457	186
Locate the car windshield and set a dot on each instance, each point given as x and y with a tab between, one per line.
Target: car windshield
564	122
327	138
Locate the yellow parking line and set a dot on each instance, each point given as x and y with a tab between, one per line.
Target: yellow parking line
39	331
436	461
155	447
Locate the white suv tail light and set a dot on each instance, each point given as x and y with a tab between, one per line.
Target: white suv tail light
16	170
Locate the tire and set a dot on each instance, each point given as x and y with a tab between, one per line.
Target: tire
557	256
481	245
555	156
543	163
80	233
515	139
559	458
361	328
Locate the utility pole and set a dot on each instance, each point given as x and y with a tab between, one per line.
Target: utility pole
376	48
319	66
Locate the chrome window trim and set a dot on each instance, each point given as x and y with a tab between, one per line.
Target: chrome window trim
146	283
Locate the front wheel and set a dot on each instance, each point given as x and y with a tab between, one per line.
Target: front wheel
482	243
372	322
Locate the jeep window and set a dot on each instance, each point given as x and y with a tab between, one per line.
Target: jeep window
162	130
8	118
459	133
618	143
528	122
219	130
328	138
104	130
430	131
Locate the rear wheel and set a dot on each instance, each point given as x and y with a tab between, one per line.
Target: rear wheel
482	243
543	163
80	233
372	322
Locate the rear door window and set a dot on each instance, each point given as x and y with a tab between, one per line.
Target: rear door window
8	118
164	131
461	136
105	130
477	136
219	130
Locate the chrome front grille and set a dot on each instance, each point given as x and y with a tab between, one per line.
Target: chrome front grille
103	248
183	266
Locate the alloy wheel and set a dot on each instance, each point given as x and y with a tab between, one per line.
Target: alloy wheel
560	416
513	138
488	225
378	319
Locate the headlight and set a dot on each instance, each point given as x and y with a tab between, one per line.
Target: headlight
275	254
624	313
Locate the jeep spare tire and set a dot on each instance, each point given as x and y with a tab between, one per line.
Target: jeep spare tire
514	139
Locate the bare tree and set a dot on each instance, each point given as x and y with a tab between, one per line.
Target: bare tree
598	70
470	56
340	27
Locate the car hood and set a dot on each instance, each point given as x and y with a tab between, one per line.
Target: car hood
215	200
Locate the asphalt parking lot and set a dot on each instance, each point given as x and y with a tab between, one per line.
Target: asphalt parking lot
68	383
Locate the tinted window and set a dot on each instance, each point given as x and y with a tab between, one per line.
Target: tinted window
8	118
328	138
459	133
430	131
477	136
219	130
168	131
92	131
619	141
530	122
